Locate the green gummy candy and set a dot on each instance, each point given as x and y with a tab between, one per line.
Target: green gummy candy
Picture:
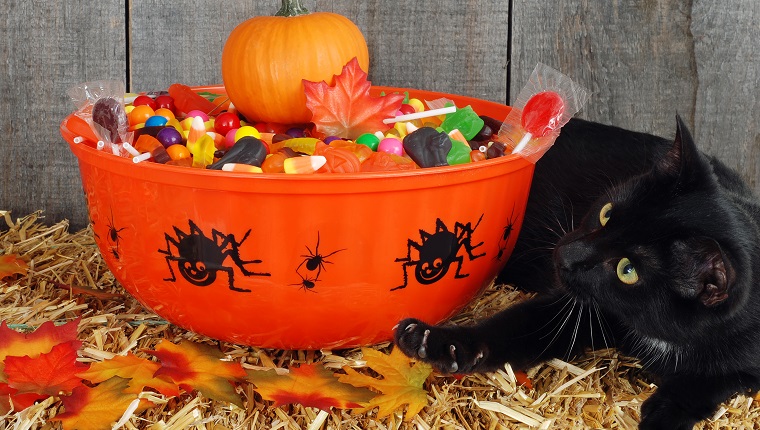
459	153
465	120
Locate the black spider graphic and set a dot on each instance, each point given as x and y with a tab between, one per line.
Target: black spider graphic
313	263
200	257
306	284
438	251
504	239
114	237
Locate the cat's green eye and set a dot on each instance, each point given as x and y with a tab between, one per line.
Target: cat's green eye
626	272
604	214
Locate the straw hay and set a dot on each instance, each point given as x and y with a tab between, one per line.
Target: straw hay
600	390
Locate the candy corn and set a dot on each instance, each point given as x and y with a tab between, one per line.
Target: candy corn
307	164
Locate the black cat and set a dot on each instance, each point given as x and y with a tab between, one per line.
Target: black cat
638	243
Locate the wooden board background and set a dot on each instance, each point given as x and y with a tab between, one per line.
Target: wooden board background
644	61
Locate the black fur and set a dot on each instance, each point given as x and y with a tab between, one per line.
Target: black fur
690	229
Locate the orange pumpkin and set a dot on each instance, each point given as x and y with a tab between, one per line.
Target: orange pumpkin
266	58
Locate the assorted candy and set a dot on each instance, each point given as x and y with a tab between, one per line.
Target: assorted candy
351	131
182	128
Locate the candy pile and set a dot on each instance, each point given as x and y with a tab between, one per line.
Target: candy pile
174	128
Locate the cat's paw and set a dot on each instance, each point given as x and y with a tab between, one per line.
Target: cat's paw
660	412
447	349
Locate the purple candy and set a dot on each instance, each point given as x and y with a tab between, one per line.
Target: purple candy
329	139
296	132
169	136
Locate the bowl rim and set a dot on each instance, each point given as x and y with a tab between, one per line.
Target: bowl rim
213	179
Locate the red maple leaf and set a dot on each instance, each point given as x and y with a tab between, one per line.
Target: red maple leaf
50	373
346	109
12	400
95	408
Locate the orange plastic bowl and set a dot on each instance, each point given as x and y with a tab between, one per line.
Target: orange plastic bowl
303	261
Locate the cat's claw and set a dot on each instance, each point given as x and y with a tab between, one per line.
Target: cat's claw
422	350
453	352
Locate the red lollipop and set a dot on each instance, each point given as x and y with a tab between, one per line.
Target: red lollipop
541	115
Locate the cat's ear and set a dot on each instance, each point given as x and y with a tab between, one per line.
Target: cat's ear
682	162
711	273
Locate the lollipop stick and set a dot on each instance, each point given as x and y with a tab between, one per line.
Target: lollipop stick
520	146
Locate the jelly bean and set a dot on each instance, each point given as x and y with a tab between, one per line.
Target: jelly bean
110	114
177	152
195	112
155	120
406	109
225	122
165	102
274	163
140	114
329	139
247	150
246	130
368	139
166	113
416	104
304	165
169	136
428	147
465	120
144	100
229	138
477	155
296	132
392	146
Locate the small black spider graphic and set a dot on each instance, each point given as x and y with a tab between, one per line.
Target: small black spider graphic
200	258
312	266
507	232
438	251
113	236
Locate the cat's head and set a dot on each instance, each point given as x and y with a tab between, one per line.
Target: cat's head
660	250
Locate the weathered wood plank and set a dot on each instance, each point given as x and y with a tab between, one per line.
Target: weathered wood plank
647	61
727	104
47	48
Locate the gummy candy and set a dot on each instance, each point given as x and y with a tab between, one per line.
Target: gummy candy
465	120
428	147
247	150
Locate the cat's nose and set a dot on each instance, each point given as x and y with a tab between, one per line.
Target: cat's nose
574	255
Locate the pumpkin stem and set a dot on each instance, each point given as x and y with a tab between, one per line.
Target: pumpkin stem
291	8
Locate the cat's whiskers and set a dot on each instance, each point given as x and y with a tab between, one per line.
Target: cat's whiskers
560	326
568	354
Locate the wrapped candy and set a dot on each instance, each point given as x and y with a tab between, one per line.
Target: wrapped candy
545	104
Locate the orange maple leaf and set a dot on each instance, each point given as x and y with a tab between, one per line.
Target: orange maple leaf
95	408
346	109
40	341
50	373
139	371
309	385
402	382
195	366
11	264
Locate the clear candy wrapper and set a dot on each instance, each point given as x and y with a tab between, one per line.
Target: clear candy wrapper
101	105
545	104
